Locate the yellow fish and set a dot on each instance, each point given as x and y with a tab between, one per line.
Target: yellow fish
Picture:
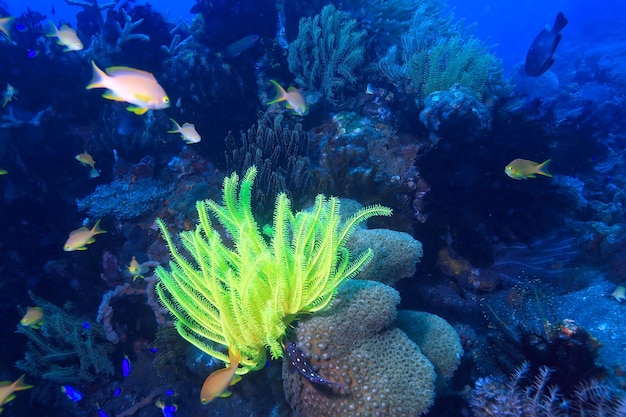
293	97
522	169
7	390
3	171
5	25
132	86
187	131
9	94
81	237
216	384
33	318
87	160
66	36
619	293
136	270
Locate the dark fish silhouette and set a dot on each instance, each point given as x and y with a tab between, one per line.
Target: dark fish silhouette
539	57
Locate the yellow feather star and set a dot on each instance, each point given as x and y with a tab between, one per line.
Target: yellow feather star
246	295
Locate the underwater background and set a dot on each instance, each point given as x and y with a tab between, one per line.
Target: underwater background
494	131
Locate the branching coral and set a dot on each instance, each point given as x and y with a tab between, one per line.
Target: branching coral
66	349
246	296
524	396
436	54
279	151
327	52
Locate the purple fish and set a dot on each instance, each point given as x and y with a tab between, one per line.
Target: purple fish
125	366
72	393
302	365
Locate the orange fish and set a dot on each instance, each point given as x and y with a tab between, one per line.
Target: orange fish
81	237
87	160
33	318
7	390
135	269
293	97
522	169
216	384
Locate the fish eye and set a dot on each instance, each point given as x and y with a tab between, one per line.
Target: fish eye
166	99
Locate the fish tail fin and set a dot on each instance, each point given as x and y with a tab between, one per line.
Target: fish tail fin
5	27
97	81
234	357
542	168
280	93
50	28
20	385
560	22
96	228
176	128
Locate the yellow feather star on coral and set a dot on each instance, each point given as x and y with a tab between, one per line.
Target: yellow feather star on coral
245	296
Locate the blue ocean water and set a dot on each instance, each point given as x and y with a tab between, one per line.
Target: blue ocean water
497	141
61	11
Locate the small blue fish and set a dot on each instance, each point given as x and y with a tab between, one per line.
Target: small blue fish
72	393
101	413
86	325
168	410
31	53
117	392
153	349
125	366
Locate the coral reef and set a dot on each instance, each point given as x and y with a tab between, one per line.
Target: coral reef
386	21
455	113
436	54
365	160
529	329
245	298
397	254
67	349
353	344
525	396
105	310
327	53
437	340
124	199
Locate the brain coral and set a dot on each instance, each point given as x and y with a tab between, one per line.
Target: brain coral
436	338
352	343
397	254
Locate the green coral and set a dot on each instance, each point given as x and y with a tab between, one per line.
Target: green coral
436	54
327	53
246	295
67	349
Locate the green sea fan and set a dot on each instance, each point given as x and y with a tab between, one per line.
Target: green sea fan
327	53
